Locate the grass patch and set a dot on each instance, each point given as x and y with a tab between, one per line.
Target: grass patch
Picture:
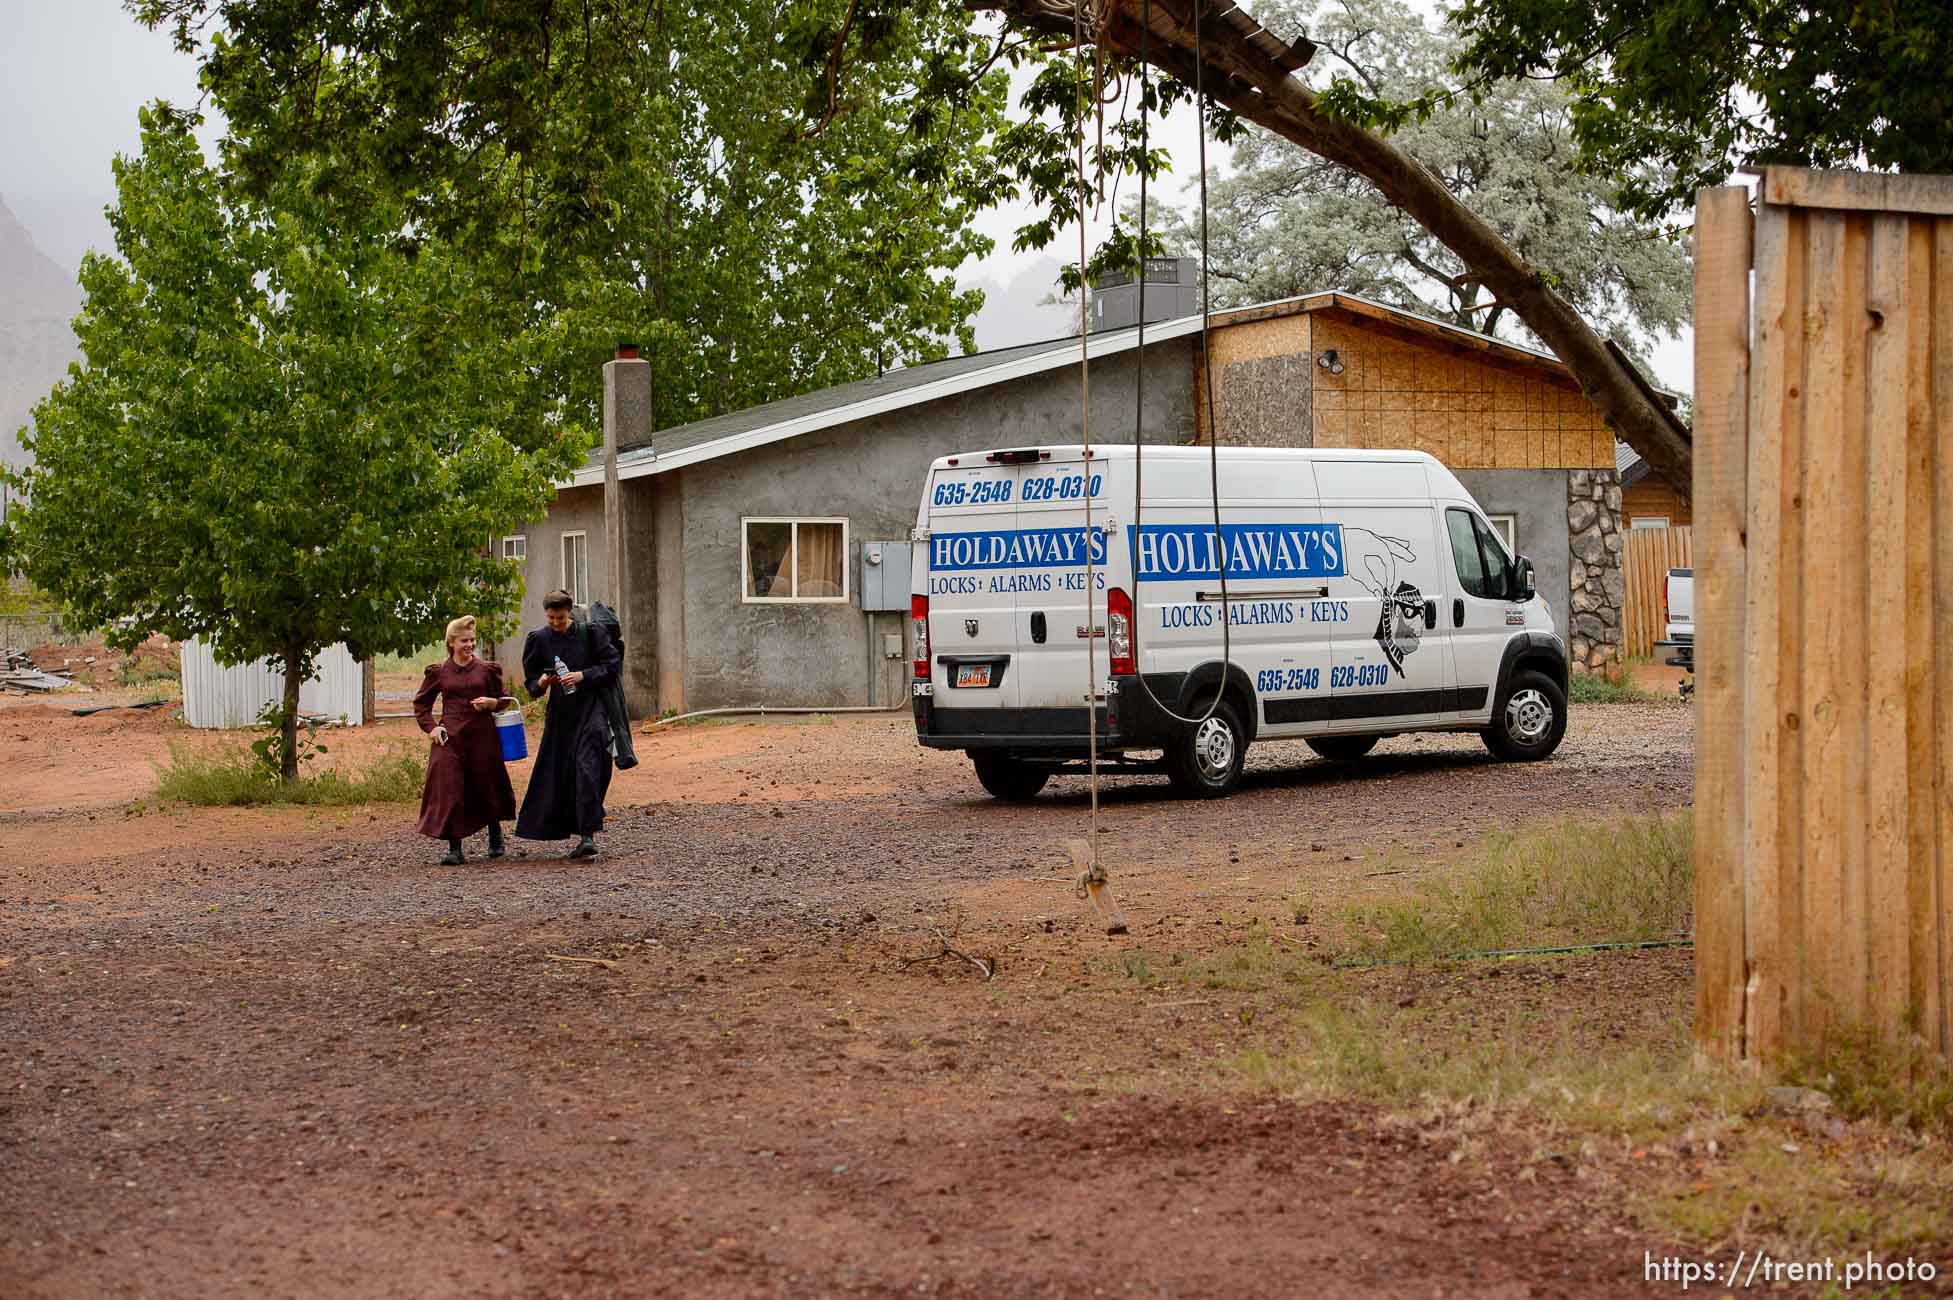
1899	1083
1261	963
239	779
1584	1067
1598	688
413	661
1873	1194
1629	881
1722	1164
1348	1046
145	672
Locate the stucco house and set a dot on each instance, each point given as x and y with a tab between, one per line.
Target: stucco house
759	558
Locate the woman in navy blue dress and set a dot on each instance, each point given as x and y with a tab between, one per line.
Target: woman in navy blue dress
571	774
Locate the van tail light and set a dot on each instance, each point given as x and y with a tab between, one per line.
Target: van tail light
919	611
1118	631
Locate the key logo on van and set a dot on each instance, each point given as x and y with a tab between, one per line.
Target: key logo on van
1400	621
969	627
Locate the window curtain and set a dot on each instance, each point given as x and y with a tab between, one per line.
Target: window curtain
818	551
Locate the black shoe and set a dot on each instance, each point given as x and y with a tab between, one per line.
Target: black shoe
452	858
495	848
585	848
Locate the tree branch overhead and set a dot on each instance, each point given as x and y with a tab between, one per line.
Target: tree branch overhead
1248	69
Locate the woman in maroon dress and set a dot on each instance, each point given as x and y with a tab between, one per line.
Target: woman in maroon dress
467	782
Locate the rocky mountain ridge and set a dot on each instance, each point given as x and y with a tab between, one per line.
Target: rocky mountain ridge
37	301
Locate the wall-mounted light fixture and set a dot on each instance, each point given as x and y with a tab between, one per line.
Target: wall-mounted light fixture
1330	361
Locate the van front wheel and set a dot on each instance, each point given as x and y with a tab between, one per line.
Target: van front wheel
1010	779
1529	720
1205	761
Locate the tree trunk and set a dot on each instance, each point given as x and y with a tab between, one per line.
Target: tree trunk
288	723
1249	72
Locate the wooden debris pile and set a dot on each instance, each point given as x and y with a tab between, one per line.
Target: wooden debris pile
20	674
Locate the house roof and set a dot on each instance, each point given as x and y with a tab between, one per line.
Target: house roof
1628	464
724	435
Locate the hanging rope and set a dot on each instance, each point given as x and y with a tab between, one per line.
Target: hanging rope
1093	881
1206	360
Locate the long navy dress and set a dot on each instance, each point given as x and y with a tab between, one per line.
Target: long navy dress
571	774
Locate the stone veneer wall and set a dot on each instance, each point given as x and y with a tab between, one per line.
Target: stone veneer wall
1596	579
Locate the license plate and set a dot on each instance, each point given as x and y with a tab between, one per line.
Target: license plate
973	674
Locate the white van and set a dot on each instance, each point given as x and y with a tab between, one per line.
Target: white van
1366	596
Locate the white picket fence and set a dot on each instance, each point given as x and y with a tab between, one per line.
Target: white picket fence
234	697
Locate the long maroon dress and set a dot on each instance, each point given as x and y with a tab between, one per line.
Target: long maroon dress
467	782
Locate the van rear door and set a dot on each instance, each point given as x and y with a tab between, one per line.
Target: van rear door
1054	628
972	610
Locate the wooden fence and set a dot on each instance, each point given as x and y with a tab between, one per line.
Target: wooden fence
1650	554
1824	610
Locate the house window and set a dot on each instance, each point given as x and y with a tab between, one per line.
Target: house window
515	548
1507	527
794	559
1648	521
576	566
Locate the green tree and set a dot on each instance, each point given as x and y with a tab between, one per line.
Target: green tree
1287	222
287	431
767	197
1672	95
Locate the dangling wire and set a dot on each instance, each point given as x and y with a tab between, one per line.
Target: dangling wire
1207	363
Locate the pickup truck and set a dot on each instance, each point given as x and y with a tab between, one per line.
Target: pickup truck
1678	637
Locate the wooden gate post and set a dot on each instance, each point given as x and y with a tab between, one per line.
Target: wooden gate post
1824	614
1722	358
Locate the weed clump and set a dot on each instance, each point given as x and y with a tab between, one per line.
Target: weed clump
1631	881
1898	1081
1598	688
241	779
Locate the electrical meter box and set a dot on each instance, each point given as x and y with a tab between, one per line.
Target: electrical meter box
885	576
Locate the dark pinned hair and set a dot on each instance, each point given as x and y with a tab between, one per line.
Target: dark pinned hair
559	599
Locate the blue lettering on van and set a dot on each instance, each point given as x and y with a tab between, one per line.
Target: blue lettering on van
1017	548
1181	552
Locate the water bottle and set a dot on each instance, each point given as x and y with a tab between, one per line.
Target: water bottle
561	669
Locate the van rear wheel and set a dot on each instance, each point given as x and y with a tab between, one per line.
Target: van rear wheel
1205	760
1010	779
1342	749
1529	720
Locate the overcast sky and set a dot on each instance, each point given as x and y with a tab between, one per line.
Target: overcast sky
74	72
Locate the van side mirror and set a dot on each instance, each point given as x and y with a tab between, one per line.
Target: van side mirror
1522	580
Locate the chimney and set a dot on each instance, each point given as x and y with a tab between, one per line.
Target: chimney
1172	291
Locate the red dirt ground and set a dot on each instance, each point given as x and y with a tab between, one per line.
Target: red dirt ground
280	1053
